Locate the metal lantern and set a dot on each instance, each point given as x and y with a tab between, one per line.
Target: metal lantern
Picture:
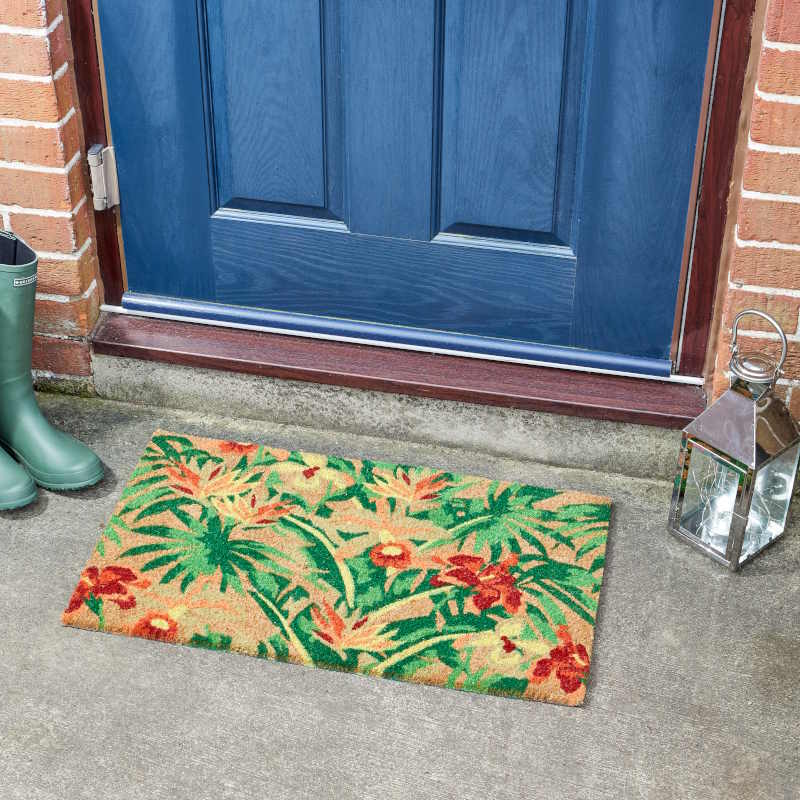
738	462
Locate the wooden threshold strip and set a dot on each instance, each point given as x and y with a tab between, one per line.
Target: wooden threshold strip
609	397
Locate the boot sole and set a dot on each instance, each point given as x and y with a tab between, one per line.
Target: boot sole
26	501
69	487
55	486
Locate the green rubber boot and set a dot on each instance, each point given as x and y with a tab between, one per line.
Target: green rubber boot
16	487
53	459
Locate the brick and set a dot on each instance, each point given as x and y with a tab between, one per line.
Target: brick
767	221
53	9
59	234
73	318
35	189
785	310
24	13
45	233
779	71
61	356
761	266
721	383
775	123
28	55
66	94
771	347
48	147
794	402
32	101
783	21
778	173
68	277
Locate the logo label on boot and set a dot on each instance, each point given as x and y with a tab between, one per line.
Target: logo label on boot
25	281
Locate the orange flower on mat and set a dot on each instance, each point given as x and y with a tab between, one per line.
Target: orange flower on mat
415	493
156	625
239	448
111	582
247	511
493	583
569	661
391	554
212	480
351	634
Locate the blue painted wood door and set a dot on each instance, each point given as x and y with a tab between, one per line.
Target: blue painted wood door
503	177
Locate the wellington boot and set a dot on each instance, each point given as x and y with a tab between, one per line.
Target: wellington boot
53	459
16	487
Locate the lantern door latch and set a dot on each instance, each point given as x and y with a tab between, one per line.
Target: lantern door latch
103	173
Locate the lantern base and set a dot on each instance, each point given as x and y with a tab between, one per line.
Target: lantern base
733	566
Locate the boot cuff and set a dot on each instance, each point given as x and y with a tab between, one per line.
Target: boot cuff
15	254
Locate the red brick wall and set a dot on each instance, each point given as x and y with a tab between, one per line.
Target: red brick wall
763	268
43	182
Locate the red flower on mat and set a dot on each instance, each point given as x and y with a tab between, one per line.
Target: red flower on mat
493	583
237	447
391	554
110	582
156	625
570	662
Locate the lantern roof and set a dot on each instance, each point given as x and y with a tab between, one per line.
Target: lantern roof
749	429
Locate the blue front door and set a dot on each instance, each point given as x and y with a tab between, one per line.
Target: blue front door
501	177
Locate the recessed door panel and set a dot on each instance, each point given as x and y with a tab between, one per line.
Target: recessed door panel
501	116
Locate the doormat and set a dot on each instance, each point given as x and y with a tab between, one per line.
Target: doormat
385	569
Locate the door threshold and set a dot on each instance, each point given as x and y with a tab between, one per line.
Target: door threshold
399	337
239	348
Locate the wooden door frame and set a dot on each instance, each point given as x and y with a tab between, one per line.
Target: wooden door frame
710	207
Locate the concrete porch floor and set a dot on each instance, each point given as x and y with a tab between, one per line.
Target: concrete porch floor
693	691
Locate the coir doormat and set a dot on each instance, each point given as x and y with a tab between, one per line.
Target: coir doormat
386	569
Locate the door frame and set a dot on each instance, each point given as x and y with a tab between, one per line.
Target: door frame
706	220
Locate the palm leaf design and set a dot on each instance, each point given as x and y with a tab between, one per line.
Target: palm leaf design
202	547
386	569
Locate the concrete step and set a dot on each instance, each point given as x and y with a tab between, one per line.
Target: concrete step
560	441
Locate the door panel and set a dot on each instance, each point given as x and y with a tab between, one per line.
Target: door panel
505	59
516	170
637	160
389	76
268	109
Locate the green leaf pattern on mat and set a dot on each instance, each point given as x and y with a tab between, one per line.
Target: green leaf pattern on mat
385	569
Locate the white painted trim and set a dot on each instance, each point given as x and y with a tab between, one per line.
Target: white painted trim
771	197
18	76
75	256
20	30
25	78
14	122
354	340
60	336
783	47
773	337
774	97
65	298
61	71
761	147
43	212
25	167
771	291
6	220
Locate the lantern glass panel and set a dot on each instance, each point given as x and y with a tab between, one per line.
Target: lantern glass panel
771	497
709	499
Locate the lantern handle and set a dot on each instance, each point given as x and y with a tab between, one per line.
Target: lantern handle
772	321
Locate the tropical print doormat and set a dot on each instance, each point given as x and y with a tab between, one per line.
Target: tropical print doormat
385	569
